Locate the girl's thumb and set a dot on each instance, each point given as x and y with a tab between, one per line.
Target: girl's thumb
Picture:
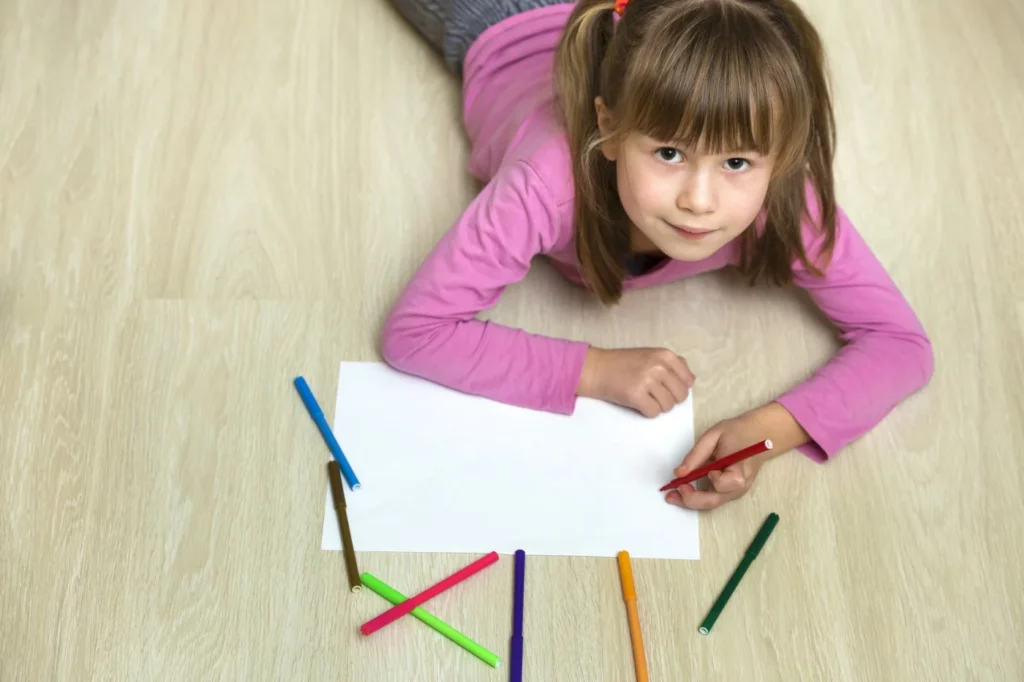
700	453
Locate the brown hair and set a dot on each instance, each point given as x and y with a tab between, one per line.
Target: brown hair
720	74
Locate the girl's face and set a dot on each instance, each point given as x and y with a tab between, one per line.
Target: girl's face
683	202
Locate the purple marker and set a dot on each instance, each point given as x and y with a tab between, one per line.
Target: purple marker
516	646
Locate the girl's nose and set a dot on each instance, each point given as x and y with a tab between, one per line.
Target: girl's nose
698	195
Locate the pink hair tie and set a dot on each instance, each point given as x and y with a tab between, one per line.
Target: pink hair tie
620	6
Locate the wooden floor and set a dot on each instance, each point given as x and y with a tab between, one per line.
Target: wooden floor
200	200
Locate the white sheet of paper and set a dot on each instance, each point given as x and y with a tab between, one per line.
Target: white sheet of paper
442	471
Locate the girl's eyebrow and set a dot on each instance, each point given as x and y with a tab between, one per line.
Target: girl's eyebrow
729	153
680	144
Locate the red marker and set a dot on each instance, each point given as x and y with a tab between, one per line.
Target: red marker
755	449
408	605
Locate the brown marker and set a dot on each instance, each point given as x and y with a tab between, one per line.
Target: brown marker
338	493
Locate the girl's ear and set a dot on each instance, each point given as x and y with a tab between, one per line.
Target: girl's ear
604	124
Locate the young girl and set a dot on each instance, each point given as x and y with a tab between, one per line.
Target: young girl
634	143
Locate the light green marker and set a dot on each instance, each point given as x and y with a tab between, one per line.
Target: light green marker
439	625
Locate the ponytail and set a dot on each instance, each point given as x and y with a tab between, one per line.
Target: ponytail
602	242
771	256
822	140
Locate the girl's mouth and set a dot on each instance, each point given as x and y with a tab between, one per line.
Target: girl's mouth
690	232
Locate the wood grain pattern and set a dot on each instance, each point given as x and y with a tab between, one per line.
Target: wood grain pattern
200	200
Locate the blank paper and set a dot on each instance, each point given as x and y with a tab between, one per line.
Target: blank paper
442	471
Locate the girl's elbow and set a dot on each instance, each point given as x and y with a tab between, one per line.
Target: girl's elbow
408	345
395	345
924	360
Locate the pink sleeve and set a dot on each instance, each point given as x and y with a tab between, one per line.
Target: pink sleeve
432	332
885	357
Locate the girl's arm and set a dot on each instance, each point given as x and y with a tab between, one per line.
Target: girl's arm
886	354
432	331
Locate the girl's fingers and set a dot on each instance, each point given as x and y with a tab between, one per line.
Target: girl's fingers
727	481
679	367
676	387
702	500
701	452
648	406
662	396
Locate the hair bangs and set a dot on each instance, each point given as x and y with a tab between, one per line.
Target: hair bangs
703	83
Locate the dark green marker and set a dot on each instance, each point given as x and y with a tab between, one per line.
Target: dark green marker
755	548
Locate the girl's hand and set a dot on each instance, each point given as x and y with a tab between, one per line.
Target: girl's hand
649	380
724	438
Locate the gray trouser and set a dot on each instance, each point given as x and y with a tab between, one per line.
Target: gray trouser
451	26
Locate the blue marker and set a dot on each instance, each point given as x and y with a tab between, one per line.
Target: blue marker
318	416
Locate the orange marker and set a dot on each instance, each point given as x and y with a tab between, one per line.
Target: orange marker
629	594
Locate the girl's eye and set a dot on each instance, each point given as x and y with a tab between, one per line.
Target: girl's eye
669	154
737	164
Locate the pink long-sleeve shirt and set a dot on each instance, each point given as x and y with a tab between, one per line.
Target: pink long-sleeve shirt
526	209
